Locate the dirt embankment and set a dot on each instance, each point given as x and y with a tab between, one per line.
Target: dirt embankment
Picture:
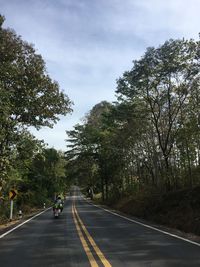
179	210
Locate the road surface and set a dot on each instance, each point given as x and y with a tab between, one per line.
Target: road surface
86	235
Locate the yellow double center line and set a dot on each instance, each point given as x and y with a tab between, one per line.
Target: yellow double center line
80	229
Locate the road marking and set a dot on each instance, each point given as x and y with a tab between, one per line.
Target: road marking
11	230
92	242
146	225
88	252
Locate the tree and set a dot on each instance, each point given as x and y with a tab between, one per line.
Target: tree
28	96
86	143
149	138
165	78
47	173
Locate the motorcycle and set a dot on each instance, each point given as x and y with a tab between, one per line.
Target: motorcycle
56	212
57	209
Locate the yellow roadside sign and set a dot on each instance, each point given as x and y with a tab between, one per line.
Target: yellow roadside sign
12	194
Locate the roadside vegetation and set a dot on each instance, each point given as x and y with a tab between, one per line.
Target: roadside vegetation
28	97
142	152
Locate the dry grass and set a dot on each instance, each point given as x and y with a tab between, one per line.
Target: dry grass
179	210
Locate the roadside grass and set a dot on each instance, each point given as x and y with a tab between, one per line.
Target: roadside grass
27	211
179	209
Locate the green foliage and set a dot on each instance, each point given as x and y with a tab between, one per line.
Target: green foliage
150	137
47	174
87	151
25	85
166	79
28	97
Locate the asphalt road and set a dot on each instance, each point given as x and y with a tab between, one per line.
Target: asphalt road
86	235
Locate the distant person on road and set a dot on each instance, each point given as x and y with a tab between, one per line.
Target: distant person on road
90	192
58	204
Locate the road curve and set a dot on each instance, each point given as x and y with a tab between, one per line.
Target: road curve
86	235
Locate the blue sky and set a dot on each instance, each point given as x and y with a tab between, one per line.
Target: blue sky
88	44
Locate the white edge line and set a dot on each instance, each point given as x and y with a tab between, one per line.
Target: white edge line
11	230
146	225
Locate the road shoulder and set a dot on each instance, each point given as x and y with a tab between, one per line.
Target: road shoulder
189	236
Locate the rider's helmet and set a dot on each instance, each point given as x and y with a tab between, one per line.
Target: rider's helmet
59	200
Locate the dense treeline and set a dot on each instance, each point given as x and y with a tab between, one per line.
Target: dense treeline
28	97
150	137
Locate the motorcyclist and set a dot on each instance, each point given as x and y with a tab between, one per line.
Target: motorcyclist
58	204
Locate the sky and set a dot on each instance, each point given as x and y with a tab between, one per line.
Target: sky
88	44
